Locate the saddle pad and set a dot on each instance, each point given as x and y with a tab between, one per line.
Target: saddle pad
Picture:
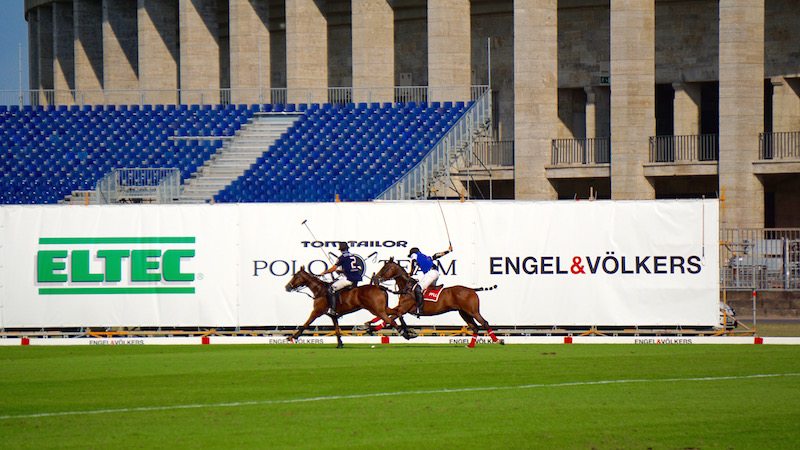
432	295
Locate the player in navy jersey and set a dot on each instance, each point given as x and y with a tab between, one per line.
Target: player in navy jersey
429	272
351	266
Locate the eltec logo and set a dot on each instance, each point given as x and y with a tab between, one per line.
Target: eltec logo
114	265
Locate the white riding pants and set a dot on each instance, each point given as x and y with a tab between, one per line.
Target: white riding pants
429	279
340	284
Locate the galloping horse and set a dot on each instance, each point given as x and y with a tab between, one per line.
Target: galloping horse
372	298
454	298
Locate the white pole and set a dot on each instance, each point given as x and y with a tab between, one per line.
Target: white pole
20	74
489	60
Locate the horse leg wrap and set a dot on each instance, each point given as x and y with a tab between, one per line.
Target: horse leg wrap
380	327
491	335
375	319
473	340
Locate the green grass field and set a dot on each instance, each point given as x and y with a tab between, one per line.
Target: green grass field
400	396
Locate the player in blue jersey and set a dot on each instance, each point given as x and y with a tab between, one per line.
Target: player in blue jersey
429	272
352	267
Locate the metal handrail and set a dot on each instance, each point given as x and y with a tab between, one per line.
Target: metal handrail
254	95
588	151
687	148
779	145
436	163
160	185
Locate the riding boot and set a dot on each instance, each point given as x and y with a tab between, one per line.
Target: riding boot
332	303
418	298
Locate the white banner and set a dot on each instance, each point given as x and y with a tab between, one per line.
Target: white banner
604	263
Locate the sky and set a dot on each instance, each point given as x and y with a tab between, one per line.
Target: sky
13	32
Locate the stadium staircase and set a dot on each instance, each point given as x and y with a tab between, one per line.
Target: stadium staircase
236	156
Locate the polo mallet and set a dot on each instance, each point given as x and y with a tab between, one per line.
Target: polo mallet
327	257
445	224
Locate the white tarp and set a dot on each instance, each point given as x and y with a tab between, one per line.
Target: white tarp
555	263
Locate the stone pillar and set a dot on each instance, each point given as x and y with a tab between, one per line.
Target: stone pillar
306	52
632	96
373	51
157	22
88	44
120	52
686	109
741	110
785	104
33	53
535	95
449	50
250	51
45	44
63	53
199	52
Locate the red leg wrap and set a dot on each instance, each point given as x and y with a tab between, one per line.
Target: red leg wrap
491	335
375	320
380	327
473	340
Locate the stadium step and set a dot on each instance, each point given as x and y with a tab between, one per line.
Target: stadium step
235	157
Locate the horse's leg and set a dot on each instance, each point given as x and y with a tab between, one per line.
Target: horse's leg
477	315
314	314
473	326
339	343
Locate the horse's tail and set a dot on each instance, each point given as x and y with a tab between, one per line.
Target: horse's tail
485	288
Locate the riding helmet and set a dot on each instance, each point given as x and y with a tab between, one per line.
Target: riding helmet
343	246
412	251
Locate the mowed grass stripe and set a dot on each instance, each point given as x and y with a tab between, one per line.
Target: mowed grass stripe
317	396
392	394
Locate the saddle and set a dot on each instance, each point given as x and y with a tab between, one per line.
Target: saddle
432	293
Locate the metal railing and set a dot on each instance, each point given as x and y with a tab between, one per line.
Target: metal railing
493	153
687	148
780	145
399	94
137	185
436	164
580	151
760	259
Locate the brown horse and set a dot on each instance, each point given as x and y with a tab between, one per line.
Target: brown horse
372	298
454	298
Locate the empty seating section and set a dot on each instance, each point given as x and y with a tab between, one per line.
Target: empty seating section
47	152
356	151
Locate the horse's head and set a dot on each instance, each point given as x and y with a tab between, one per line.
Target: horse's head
389	271
299	279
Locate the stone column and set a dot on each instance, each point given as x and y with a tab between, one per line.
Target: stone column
250	51
535	95
785	104
120	52
741	110
33	53
88	34
199	52
45	44
306	52
632	96
449	50
157	22
686	109
63	53
373	51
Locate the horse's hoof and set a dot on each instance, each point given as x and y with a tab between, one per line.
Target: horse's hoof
339	345
502	342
